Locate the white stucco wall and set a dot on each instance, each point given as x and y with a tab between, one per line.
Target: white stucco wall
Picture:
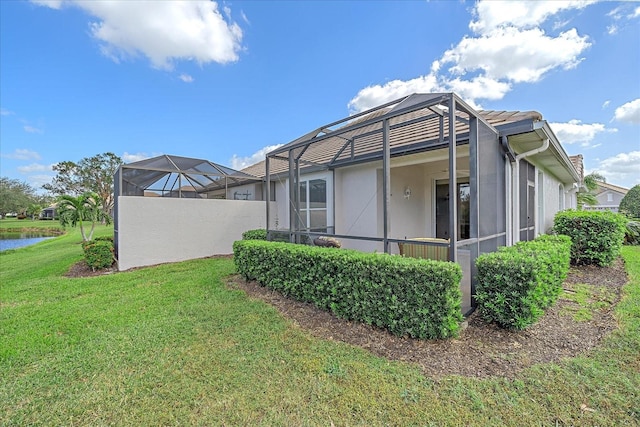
155	230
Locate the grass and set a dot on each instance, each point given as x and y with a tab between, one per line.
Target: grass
172	344
588	299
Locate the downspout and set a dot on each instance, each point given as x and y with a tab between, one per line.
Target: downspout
516	187
509	157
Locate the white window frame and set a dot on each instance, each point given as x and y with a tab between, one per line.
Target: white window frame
328	178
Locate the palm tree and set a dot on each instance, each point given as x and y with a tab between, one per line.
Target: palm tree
591	184
75	210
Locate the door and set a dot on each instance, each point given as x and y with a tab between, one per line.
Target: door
442	209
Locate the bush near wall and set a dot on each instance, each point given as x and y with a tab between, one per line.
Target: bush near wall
257	234
596	236
98	253
416	298
515	284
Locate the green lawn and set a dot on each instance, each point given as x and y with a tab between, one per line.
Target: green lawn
170	345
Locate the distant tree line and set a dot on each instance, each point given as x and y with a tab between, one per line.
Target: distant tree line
88	183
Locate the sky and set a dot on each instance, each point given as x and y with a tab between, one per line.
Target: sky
229	81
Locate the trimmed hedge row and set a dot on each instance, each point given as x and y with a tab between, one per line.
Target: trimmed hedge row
596	236
98	253
515	284
416	298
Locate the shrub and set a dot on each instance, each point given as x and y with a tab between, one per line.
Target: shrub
630	203
257	234
632	232
417	298
515	284
98	253
103	239
596	237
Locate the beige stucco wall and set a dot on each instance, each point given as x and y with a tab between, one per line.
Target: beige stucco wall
154	230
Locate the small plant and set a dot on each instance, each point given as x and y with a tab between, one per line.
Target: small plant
98	254
632	232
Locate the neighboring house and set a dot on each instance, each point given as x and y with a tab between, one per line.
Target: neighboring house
608	196
378	178
49	212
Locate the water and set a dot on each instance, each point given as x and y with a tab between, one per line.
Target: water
21	239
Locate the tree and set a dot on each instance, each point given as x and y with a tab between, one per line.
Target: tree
15	196
90	175
630	203
34	210
86	207
591	184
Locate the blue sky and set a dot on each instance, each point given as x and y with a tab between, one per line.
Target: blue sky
227	81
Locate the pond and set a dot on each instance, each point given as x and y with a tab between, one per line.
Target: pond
19	239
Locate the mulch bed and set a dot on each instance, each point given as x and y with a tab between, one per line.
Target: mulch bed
481	350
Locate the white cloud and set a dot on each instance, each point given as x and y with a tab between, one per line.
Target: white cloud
4	112
576	132
516	55
39	180
22	154
606	103
53	4
163	31
239	163
186	78
621	169
508	49
135	157
32	129
522	14
629	112
612	30
636	13
375	95
34	167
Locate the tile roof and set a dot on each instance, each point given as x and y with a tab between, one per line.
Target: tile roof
406	131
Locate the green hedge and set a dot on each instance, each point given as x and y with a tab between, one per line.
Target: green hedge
257	234
515	284
98	253
416	298
596	237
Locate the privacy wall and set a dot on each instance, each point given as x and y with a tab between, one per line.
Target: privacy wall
155	230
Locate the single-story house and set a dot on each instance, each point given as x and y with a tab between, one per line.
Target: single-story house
608	196
423	166
49	212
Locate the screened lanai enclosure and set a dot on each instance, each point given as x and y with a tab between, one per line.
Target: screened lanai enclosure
171	208
180	177
423	174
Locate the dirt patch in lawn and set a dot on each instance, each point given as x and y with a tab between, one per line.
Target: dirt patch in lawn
571	327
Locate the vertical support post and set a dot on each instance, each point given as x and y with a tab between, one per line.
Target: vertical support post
267	192
293	218
386	183
298	221
474	181
453	182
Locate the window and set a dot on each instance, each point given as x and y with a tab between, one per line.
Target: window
313	204
560	197
609	197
